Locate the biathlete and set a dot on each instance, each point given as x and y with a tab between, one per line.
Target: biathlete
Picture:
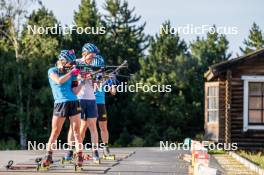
100	101
88	106
64	87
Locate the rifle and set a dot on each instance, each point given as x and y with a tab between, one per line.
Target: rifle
107	71
111	74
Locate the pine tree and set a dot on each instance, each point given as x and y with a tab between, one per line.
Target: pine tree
167	115
25	90
255	40
210	50
87	16
125	37
13	13
41	45
207	51
40	52
124	40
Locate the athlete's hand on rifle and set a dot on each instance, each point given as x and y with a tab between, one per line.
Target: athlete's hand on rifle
75	71
87	76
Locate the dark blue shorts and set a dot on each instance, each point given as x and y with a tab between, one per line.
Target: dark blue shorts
88	109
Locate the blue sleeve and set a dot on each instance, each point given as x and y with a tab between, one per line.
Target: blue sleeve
108	82
74	78
52	70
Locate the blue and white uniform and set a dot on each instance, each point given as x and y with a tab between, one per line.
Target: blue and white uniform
87	99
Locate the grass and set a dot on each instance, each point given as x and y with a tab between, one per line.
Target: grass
255	157
216	151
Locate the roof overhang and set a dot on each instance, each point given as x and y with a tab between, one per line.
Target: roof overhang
219	68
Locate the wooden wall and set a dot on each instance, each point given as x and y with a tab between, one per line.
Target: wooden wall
222	109
251	139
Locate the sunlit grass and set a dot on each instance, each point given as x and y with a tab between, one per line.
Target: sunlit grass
216	151
255	157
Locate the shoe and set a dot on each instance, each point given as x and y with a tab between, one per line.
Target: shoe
47	160
96	158
106	151
79	159
107	155
69	155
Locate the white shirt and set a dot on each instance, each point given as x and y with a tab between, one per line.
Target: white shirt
87	90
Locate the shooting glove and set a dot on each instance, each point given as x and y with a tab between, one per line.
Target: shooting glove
75	71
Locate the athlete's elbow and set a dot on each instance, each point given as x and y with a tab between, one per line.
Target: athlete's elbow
75	91
59	81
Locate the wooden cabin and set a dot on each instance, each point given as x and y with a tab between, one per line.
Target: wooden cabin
234	101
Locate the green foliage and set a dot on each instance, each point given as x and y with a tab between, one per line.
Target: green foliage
86	16
135	119
255	40
255	157
40	51
199	137
124	138
167	115
211	50
137	142
125	38
37	52
10	144
217	151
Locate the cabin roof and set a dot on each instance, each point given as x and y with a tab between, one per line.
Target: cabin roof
221	67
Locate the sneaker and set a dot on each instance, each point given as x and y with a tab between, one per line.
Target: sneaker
95	155
79	159
106	151
69	155
47	160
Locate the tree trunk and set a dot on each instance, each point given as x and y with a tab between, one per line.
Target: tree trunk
14	36
22	134
27	122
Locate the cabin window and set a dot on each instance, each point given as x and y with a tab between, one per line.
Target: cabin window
212	103
253	103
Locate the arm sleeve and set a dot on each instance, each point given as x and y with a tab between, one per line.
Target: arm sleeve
108	82
52	70
74	78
